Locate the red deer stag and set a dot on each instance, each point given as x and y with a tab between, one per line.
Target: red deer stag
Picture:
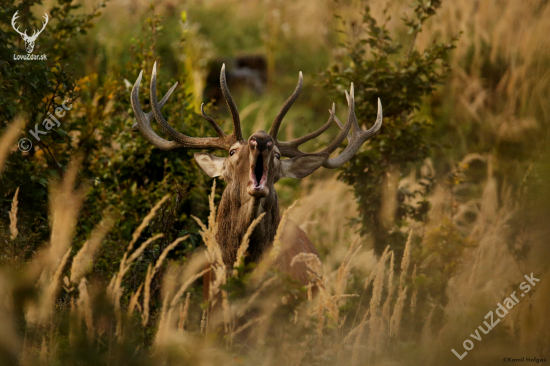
251	170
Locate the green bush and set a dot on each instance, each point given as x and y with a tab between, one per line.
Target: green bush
381	67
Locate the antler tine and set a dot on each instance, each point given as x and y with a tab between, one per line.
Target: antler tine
44	23
341	127
181	141
144	121
290	149
237	132
161	104
213	123
357	139
286	106
15	16
36	33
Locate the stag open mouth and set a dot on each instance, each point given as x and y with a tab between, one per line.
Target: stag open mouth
258	173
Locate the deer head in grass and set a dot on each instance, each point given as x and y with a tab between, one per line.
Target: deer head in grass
252	168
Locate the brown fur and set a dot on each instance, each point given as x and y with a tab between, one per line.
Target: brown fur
238	208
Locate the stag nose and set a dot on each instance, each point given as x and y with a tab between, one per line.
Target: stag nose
261	141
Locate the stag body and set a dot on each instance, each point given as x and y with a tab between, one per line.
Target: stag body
251	170
29	40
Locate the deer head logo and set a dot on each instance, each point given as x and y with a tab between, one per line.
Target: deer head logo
29	41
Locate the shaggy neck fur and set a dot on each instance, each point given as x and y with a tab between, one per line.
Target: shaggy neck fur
236	212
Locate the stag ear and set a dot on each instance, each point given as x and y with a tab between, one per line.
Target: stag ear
212	165
302	166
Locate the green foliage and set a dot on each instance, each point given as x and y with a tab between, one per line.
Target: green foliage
35	88
441	255
124	172
380	67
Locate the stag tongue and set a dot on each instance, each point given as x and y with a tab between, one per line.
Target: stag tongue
259	170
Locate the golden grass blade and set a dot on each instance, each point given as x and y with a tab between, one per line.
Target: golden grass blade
83	260
244	243
151	274
13	216
134	300
405	261
85	308
145	222
415	292
7	140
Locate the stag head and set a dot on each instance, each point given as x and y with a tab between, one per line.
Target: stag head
254	165
29	40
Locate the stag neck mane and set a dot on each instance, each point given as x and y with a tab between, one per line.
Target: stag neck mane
236	212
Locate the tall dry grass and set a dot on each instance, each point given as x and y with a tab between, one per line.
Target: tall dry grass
368	310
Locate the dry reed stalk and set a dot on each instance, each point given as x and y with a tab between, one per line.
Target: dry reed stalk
244	243
320	322
209	233
65	204
474	269
7	140
267	262
226	318
391	289
345	268
239	311
246	326
426	335
144	223
405	262
376	325
83	260
276	249
134	301
169	285
358	330
415	292
44	355
49	286
151	274
168	325
358	333
190	275
13	216
203	321
85	308
10	340
269	306
315	269
213	251
114	290
184	311
395	320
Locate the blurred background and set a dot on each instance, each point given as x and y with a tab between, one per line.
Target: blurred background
434	222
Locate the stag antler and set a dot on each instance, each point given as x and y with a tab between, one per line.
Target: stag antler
36	33
24	34
15	16
223	142
355	140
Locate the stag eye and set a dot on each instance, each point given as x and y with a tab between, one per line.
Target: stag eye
232	152
278	156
